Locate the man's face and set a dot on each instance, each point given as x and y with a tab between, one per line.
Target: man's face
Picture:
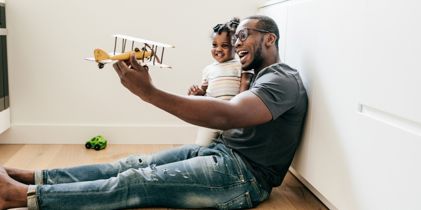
249	49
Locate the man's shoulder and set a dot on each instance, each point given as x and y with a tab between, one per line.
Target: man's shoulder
277	71
277	78
282	68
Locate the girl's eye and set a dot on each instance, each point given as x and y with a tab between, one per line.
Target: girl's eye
214	46
225	46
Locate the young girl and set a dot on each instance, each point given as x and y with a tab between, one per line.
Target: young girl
224	78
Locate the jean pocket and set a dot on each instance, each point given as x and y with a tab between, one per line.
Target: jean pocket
242	201
223	167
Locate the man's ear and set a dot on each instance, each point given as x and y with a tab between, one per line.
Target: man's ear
270	39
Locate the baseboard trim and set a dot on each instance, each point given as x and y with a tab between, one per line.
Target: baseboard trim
116	134
322	198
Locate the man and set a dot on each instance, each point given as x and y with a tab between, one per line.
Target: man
262	130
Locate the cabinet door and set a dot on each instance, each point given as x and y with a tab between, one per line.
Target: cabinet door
4	86
2	16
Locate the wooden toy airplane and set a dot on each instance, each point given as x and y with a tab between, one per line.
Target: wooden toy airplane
147	55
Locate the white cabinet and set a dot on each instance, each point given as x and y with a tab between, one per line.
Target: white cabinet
360	63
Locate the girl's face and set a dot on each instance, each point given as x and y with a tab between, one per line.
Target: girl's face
222	50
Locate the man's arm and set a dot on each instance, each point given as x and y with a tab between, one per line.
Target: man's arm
244	110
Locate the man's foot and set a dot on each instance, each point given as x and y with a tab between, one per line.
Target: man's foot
12	193
20	175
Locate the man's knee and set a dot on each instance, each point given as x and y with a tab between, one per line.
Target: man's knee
132	161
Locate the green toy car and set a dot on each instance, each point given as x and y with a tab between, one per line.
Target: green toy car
97	142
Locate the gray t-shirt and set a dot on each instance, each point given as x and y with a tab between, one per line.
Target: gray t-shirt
269	148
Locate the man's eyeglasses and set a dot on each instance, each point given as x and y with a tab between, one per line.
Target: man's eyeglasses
243	34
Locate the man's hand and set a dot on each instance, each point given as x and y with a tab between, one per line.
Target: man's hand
196	91
135	77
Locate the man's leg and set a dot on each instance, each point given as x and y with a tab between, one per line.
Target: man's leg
216	180
12	193
108	170
12	180
101	171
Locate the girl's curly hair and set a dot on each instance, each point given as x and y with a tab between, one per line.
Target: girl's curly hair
228	27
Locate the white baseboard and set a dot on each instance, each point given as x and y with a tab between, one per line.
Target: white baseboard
116	134
322	198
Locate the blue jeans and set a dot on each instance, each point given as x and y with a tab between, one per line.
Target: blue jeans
190	176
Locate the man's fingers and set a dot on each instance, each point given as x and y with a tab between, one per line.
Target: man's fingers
117	69
121	68
133	62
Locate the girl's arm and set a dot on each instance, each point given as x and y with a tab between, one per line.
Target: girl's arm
199	91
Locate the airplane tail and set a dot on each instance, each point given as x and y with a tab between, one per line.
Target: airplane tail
101	55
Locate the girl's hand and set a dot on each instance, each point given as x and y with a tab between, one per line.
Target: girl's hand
196	91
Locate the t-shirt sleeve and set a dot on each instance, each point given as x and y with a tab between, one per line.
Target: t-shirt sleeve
278	92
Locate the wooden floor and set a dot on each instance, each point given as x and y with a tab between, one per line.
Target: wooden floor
290	195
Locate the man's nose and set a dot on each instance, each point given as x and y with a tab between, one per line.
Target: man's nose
237	43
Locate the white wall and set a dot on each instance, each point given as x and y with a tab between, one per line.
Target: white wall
360	63
57	97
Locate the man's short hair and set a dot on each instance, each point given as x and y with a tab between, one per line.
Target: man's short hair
268	24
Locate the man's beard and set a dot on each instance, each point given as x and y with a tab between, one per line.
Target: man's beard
257	61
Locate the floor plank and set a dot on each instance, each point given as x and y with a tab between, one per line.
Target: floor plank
291	195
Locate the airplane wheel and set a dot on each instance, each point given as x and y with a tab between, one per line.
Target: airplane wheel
100	65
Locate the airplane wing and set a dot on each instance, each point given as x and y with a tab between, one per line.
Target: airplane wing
146	62
131	38
150	63
102	61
